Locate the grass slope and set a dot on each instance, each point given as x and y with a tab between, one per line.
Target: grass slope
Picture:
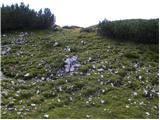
115	92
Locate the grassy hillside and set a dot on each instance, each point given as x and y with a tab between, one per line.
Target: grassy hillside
115	79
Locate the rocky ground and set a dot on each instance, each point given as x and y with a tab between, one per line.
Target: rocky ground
73	74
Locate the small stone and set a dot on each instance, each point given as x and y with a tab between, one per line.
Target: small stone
147	113
112	85
145	92
16	95
70	98
127	106
82	42
58	100
3	35
129	82
136	65
4	113
18	91
27	110
129	99
102	76
135	93
26	75
88	116
88	74
90	98
103	91
10	109
33	105
101	82
18	113
42	78
46	116
87	102
89	59
141	103
123	67
20	102
12	82
100	70
140	77
93	66
116	72
60	88
102	101
155	107
56	44
38	91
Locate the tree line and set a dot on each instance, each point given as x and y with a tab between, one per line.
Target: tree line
139	30
21	17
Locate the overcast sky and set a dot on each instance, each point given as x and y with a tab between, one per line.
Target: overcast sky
89	12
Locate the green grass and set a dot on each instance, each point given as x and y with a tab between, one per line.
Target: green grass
79	95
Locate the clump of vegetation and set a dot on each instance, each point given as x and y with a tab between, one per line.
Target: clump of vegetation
70	27
89	29
139	30
27	18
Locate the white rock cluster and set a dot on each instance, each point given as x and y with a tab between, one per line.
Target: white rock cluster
71	64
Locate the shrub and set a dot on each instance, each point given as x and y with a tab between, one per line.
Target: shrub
70	27
87	30
138	30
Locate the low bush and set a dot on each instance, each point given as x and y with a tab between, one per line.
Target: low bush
138	30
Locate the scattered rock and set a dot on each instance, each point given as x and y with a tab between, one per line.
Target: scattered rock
151	91
141	103
88	116
67	49
42	78
20	41
89	59
26	75
58	100
4	35
5	50
3	113
70	98
93	66
147	113
100	70
82	42
140	77
71	63
10	109
56	44
135	93
112	84
127	106
2	76
103	91
33	105
102	101
46	116
19	113
104	109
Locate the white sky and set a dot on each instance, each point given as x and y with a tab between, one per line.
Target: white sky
89	12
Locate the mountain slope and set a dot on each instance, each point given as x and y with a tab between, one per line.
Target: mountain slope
114	80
